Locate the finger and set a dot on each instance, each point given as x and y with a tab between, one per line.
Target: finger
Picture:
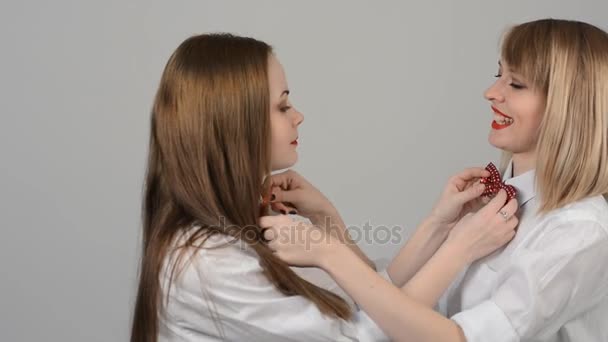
506	217
471	183
470	174
485	200
495	204
473	172
273	245
291	196
290	205
267	221
471	193
508	236
269	234
283	209
282	180
512	224
511	207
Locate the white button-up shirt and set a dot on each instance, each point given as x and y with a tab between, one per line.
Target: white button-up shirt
223	295
550	283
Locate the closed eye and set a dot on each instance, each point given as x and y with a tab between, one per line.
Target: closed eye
512	84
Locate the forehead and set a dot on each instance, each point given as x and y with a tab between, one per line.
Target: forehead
503	64
276	77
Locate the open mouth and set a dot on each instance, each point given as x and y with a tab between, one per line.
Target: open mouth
501	120
295	142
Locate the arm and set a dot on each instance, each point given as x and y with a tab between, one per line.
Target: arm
290	192
417	251
399	315
454	203
333	223
436	275
460	196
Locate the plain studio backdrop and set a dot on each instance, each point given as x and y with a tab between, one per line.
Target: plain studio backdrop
391	93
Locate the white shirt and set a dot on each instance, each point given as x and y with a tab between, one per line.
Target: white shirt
224	296
550	283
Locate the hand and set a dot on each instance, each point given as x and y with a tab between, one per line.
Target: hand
480	234
297	243
460	196
292	193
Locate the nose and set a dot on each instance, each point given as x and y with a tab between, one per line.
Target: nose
495	92
299	118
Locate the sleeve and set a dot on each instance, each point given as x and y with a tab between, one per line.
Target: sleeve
546	284
225	296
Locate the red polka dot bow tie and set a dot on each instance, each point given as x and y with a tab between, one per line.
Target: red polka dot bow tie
494	183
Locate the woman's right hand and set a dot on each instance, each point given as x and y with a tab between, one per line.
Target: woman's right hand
291	193
483	232
461	195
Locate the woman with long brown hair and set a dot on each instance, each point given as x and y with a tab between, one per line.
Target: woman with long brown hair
221	122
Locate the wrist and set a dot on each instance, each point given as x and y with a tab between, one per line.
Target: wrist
324	216
333	255
459	252
437	226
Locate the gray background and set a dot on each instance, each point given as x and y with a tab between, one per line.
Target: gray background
391	92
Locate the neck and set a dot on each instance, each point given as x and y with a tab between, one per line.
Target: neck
523	162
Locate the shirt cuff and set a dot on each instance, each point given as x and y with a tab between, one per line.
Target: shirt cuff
486	322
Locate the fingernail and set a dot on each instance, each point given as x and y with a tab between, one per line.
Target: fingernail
293	212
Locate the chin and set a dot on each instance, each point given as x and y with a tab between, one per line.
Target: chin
285	163
494	141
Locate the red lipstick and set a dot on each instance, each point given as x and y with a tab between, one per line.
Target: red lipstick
495	110
499	126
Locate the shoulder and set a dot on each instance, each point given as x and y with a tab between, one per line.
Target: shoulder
214	260
584	222
590	210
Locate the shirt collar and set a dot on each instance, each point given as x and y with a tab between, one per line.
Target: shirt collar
525	184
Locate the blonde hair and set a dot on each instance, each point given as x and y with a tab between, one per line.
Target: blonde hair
567	61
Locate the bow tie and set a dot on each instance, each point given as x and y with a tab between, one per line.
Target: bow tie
494	183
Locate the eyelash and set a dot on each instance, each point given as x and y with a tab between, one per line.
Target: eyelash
514	85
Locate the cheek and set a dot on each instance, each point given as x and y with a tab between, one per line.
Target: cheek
280	129
275	131
279	141
532	120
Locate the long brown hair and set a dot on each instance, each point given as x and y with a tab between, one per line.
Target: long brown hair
209	153
567	61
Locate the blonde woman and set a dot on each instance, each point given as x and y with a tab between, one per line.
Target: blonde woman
550	117
221	121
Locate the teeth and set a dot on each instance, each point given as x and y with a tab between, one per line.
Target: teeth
505	121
